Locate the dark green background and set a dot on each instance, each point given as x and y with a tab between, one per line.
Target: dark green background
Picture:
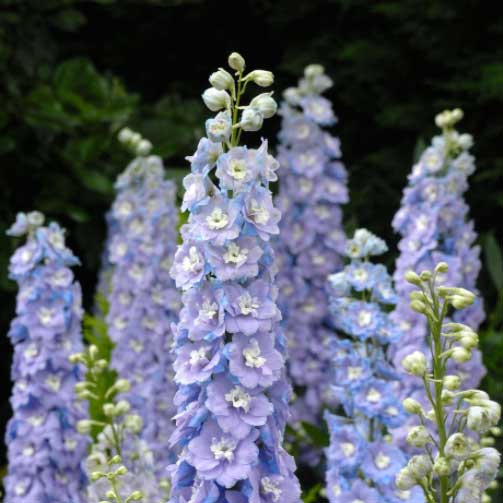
72	73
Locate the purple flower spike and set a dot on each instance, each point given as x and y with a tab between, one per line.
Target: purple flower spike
232	393
44	450
312	190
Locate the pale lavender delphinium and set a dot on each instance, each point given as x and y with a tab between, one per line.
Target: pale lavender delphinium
433	222
44	450
361	461
230	352
143	298
312	189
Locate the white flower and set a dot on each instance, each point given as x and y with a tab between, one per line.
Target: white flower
216	99
415	363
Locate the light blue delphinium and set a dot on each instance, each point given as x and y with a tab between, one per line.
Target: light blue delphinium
361	461
143	298
44	449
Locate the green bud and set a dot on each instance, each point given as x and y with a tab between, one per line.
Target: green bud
135	496
97	476
115	460
122	470
418	306
442	267
452	382
441	466
109	409
425	275
413	278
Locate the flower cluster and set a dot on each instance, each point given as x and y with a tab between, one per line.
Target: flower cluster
313	186
232	391
452	467
119	466
143	298
361	461
433	224
44	450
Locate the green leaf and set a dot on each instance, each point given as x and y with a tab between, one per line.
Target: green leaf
494	260
319	437
69	20
312	494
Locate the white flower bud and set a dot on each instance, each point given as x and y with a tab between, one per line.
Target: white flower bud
135	139
418	436
125	135
122	385
425	275
405	480
415	363
122	407
430	415
457	446
109	409
292	95
468	340
115	460
452	382
460	302
133	423
419	466
143	148
418	306
84	426
236	62
457	115
313	70
216	99
441	466
93	351
76	358
447	397
460	354
465	141
262	78
222	80
122	470
478	419
412	406
266	104
135	496
251	119
97	476
441	119
412	277
110	494
442	267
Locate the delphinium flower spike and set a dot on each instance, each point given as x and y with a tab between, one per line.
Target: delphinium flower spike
230	369
120	466
143	298
361	461
312	189
451	466
434	227
44	448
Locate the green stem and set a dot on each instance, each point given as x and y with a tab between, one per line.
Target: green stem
113	483
239	92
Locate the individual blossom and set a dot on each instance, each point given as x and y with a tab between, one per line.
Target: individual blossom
434	226
143	299
364	381
313	186
454	468
44	451
232	395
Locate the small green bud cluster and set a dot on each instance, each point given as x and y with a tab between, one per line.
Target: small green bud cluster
135	142
455	467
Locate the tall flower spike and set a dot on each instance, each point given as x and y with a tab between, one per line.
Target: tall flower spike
432	222
44	449
451	467
143	298
230	369
361	462
312	189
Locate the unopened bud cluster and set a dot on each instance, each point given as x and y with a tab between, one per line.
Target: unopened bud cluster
135	142
455	467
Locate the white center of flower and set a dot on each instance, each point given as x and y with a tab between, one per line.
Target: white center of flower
373	395
223	448
305	185
248	304
432	161
354	372
192	262
124	208
235	254
20	488
348	449
31	351
392	411
421	222
302	131
70	444
307	159
136	272
239	398
198	356
269	487
403	495
56	239
382	461
218	126
217	219
136	345
59	278
364	318
136	226
53	382
253	356
125	299
29	451
430	193
36	421
45	315
237	169
353	249
208	310
360	274
336	489
26	255
120	249
358	500
258	213
318	259
120	323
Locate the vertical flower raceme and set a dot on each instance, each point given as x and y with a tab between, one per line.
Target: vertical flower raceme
143	298
450	465
313	187
230	369
362	463
433	224
44	448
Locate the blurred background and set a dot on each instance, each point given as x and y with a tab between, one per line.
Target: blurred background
73	72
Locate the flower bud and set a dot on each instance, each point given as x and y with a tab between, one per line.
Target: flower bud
109	410
452	382
419	466
457	115
430	415
133	423
251	119
266	104
418	436
135	496
125	135
418	306
84	426
487	441
115	460
460	354
468	340
457	446
262	78
135	139
313	70
236	62
122	407
122	385
110	494
412	406
441	466
97	476
442	267
122	470
478	419
415	363
216	99
101	364
93	351
405	480
222	80
76	358
413	278
465	141
143	148
447	397
425	275
460	302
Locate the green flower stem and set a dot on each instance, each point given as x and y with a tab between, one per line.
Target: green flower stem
113	484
